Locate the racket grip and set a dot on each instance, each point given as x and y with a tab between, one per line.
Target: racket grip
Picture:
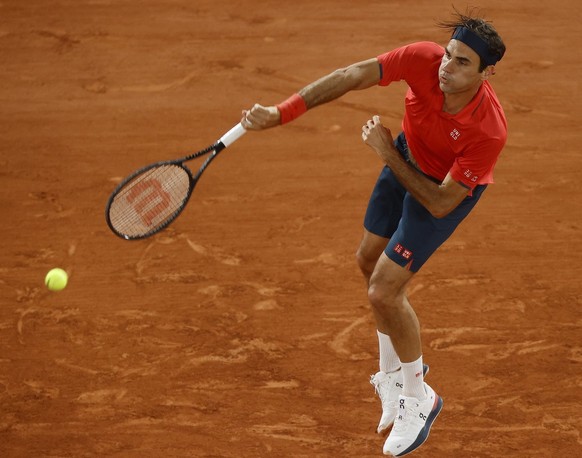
232	135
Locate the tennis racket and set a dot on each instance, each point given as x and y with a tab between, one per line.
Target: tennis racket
149	199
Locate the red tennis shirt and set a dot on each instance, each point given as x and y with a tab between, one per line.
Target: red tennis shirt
466	144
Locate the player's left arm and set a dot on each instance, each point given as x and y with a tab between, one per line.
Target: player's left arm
438	199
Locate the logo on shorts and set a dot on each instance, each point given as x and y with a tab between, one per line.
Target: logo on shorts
406	254
455	134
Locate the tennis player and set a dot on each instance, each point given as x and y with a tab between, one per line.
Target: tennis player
436	170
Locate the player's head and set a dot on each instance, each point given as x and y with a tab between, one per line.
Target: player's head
479	35
471	54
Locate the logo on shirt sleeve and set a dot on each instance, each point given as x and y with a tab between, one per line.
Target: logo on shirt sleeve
469	174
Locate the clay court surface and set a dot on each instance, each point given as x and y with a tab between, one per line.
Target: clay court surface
244	329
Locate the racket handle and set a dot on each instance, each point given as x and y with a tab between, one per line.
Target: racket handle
232	135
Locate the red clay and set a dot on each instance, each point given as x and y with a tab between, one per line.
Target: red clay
244	329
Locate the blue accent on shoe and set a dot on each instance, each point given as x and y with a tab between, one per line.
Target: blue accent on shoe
424	432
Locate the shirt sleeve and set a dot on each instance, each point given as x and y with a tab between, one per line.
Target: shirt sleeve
409	63
476	166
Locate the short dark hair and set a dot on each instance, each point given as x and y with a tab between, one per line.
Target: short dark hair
480	27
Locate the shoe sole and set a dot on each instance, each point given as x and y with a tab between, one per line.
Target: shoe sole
384	432
423	435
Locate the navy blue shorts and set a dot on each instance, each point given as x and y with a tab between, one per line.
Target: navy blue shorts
413	232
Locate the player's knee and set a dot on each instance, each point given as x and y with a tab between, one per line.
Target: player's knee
383	297
363	262
366	261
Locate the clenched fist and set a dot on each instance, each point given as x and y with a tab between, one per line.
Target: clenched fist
260	117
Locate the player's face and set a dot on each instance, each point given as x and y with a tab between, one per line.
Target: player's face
459	69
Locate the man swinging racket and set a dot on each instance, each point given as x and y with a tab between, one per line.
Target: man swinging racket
436	169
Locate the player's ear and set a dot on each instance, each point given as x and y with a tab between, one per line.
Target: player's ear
487	72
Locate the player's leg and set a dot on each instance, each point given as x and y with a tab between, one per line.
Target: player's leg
369	251
396	317
388	380
417	237
381	220
392	311
397	324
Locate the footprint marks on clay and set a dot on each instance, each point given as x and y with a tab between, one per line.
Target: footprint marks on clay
170	237
33	314
325	259
240	353
576	354
149	258
468	339
281	384
299	223
216	253
104	396
64	363
246	289
100	86
50	206
269	292
343	344
40	389
462	280
296	429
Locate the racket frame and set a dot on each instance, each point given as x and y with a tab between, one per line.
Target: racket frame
227	139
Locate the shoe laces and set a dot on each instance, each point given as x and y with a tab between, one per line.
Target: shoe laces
405	415
381	391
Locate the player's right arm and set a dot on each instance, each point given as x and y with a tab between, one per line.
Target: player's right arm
360	75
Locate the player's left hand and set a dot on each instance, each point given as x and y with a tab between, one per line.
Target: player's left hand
379	138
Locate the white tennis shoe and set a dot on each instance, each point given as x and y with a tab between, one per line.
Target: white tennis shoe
412	423
388	386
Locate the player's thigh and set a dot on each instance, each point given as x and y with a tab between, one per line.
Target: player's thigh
385	205
389	279
419	234
371	247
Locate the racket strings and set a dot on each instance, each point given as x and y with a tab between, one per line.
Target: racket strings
150	201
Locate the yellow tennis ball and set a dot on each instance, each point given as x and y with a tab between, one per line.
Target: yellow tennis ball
56	279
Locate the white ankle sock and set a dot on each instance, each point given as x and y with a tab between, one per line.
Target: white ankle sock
413	380
389	361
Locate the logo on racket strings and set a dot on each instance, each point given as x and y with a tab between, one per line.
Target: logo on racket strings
148	200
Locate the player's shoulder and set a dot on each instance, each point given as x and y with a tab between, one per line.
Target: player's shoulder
417	54
491	95
428	46
413	63
488	117
427	49
494	105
